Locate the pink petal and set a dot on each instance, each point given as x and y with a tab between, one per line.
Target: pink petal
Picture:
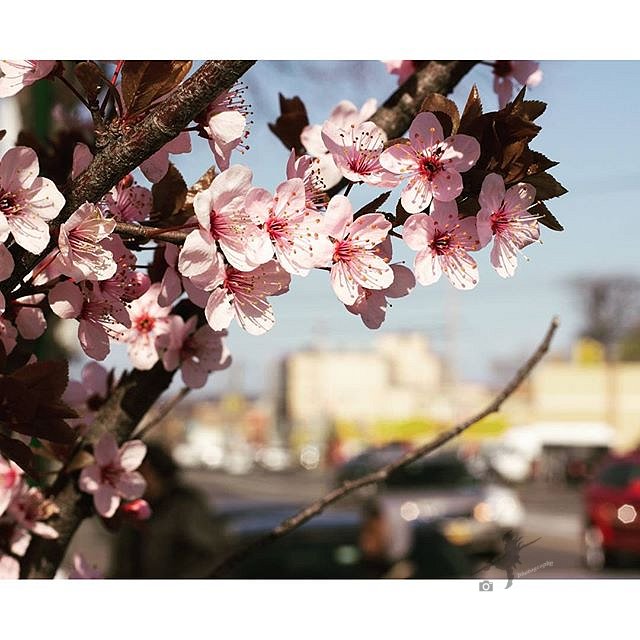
227	126
400	159
338	216
66	300
82	158
132	454
44	531
254	314
343	283
90	479
504	88
198	253
492	192
519	197
219	310
417	194
170	287
417	231
131	485
45	199
526	72
426	267
403	282
6	262
30	231
31	322
369	230
93	340
106	501
229	188
504	258
461	152
425	131
106	450
257	205
18	169
447	185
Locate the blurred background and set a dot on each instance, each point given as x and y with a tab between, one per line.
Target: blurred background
321	398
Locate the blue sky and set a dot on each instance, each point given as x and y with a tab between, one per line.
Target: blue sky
589	127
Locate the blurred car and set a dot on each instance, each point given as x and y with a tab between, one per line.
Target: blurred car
611	533
332	546
442	489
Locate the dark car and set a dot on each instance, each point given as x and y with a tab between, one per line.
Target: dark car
611	534
444	490
333	545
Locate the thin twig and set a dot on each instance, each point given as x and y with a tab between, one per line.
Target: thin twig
297	520
161	414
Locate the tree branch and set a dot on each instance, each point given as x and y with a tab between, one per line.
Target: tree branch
133	397
145	233
135	145
401	107
297	520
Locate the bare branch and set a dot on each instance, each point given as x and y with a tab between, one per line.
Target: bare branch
161	413
381	474
145	233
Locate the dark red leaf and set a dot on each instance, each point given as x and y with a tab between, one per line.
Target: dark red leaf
20	453
546	217
546	186
373	206
445	110
144	81
45	380
169	195
290	123
91	78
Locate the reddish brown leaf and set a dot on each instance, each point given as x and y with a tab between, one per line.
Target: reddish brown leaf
169	195
144	81
472	112
290	123
46	428
91	78
445	110
546	186
45	380
20	453
16	402
546	217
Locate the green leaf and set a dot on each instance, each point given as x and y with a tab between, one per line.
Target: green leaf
546	217
445	110
145	81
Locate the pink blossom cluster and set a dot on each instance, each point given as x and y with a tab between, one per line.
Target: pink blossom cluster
23	513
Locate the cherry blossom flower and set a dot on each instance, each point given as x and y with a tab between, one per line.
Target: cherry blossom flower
26	201
223	222
126	284
307	169
224	124
343	116
129	202
10	479
99	317
82	570
526	72
89	393
113	476
356	152
196	352
431	163
355	262
28	508
371	304
17	74
82	255
156	166
148	321
503	216
243	295
443	241
295	231
402	68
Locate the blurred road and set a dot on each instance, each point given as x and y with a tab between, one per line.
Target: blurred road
552	514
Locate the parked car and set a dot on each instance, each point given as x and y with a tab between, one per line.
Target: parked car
445	490
611	534
334	545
